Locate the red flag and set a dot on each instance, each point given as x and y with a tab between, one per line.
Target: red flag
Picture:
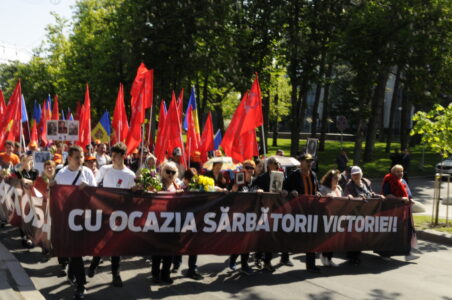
120	125
134	136
77	111
84	134
207	143
239	141
159	144
34	133
2	105
143	85
193	142
55	109
43	123
253	109
172	130
10	124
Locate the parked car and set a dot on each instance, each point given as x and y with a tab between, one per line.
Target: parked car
444	167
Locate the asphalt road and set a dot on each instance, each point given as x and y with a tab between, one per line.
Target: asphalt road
429	277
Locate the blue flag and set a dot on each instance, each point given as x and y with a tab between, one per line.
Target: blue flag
62	115
24	111
37	112
217	139
105	122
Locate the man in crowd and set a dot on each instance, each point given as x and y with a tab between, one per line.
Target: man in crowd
302	181
178	159
76	174
117	176
8	157
101	155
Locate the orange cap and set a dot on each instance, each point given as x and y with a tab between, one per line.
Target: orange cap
90	157
57	158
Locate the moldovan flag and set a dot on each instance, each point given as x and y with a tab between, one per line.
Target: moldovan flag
102	130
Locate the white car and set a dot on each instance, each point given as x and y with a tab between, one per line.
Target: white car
446	167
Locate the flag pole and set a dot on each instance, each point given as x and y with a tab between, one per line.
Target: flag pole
264	148
142	144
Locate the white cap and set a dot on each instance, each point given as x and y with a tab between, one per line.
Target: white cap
356	170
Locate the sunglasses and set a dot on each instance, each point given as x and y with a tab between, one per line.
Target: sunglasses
170	172
249	168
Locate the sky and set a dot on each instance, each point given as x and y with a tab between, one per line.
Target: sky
23	23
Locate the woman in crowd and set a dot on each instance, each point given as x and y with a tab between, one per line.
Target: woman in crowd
42	185
248	166
27	174
329	186
171	183
396	188
150	163
217	175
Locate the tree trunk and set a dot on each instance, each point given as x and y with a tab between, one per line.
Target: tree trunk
294	121
318	91
326	107
265	112
393	111
275	123
404	128
219	116
377	102
204	99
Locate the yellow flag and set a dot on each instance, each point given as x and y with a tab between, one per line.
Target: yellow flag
99	133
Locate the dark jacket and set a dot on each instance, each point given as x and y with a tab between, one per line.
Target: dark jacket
294	182
352	189
218	181
263	182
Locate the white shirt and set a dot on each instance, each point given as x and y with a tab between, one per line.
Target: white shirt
114	178
102	160
66	176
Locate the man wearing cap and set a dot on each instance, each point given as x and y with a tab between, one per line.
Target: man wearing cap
302	181
358	187
91	163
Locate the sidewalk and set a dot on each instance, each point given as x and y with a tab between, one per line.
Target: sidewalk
14	281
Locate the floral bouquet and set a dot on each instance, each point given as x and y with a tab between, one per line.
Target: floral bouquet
149	180
201	183
5	173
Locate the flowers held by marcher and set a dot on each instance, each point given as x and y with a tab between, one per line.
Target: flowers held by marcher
149	180
201	183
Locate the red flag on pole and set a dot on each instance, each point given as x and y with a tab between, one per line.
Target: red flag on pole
143	85
133	139
78	109
159	144
207	143
253	109
55	109
34	133
84	134
120	125
12	120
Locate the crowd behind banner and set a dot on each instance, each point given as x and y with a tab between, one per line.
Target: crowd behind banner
111	167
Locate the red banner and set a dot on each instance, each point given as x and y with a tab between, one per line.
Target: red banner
105	222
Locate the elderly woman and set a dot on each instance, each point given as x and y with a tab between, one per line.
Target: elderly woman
396	188
171	183
248	166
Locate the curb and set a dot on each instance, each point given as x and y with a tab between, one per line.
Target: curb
18	278
435	236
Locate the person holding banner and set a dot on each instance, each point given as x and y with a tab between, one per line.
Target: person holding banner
27	174
248	166
396	188
358	187
262	182
76	174
302	181
171	183
117	176
329	187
